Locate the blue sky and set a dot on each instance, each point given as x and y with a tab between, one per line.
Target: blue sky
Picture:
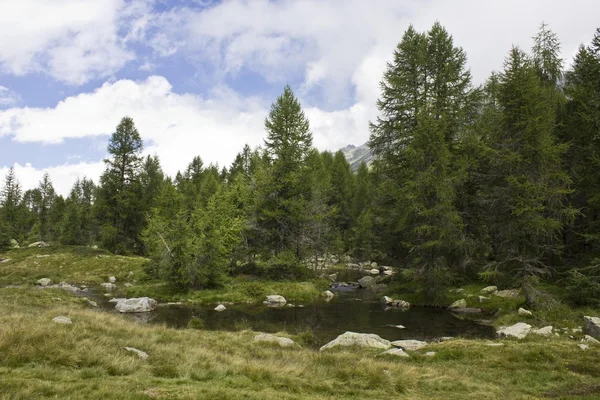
198	76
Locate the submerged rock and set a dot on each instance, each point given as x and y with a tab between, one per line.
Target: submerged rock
395	352
282	341
220	307
518	331
141	354
409	345
62	320
44	282
275	300
358	339
591	326
328	295
135	305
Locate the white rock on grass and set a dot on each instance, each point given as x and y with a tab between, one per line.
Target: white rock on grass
282	341
141	354
462	303
135	305
518	331
44	282
509	293
545	331
395	352
328	295
591	326
494	344
220	307
387	300
583	347
374	271
275	300
589	340
360	340
409	345
62	320
112	279
525	313
489	289
430	353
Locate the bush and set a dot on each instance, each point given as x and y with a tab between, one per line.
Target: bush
4	238
195	323
583	285
254	289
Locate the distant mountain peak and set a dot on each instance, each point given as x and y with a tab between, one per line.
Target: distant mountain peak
357	154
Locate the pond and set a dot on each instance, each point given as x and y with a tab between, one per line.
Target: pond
355	310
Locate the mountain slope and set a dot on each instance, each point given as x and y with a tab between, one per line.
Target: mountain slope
357	154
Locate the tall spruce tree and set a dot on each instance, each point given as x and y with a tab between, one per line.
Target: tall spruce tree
11	213
46	201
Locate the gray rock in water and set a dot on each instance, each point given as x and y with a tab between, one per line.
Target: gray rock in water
141	354
220	307
591	326
328	295
275	300
387	300
366	282
409	345
115	300
358	339
62	320
44	282
135	305
395	352
462	303
401	304
108	285
518	331
282	341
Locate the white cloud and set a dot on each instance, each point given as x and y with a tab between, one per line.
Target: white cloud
8	97
71	40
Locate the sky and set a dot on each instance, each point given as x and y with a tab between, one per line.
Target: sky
198	76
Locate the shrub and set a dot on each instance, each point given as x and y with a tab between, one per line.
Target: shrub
583	285
195	323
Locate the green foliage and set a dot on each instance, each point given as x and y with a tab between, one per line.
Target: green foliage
582	285
195	323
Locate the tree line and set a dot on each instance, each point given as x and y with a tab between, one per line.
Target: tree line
499	182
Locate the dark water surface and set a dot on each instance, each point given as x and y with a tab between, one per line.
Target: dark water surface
351	310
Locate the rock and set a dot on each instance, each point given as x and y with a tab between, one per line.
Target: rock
576	330
525	313
489	290
387	300
366	282
545	331
483	298
128	284
220	307
62	320
328	295
374	271
373	264
518	330
583	347
397	326
92	303
395	352
44	282
462	303
282	341
116	300
42	255
388	272
353	266
409	345
589	340
3	260
63	286
135	305
131	274
358	339
14	244
95	247
401	304
275	300
507	293
430	353
108	285
38	244
446	338
591	326
112	279
494	344
141	354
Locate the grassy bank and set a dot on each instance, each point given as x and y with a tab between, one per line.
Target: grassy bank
41	359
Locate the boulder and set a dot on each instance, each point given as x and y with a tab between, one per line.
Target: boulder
489	290
220	307
366	282
525	313
112	279
38	244
388	272
44	282
583	347
275	300
545	331
374	271
328	295
518	331
401	304
409	345
507	293
589	340
395	352
62	320
282	341
387	300
141	354
462	303
14	244
591	326
360	340
108	285
135	305
373	264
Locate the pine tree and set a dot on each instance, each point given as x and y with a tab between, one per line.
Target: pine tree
46	200
118	199
10	201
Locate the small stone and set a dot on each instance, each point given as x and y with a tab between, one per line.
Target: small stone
409	345
397	326
430	353
589	340
62	320
518	330
583	347
387	300
507	293
374	271
128	284
220	307
373	264
462	303
395	352
494	344
291	305
401	304
112	279
489	290
576	330
328	295
545	331
483	298
131	274
108	285
92	303
44	282
525	313
282	341
275	300
141	354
